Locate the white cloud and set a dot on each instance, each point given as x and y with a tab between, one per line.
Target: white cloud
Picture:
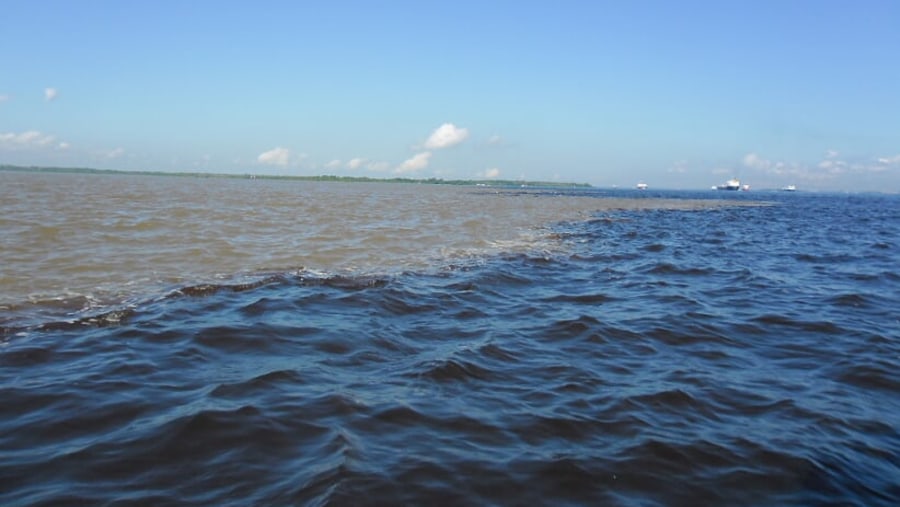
833	166
4	98
355	163
491	173
27	139
445	136
276	156
832	169
116	153
418	162
50	94
754	161
359	163
888	161
64	145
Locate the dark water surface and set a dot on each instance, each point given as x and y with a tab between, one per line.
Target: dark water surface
715	356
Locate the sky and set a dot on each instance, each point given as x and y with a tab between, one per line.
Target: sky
676	94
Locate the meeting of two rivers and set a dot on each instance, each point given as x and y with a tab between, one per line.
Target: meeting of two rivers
172	340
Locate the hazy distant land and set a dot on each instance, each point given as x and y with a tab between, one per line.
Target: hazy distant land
326	177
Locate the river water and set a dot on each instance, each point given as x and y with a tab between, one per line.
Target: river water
211	341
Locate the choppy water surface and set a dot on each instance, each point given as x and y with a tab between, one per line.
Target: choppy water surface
520	347
82	242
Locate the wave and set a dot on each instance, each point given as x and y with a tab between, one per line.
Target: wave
632	368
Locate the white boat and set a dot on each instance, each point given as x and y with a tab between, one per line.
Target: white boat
790	188
732	184
642	186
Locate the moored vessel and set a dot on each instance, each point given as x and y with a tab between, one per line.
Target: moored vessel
732	184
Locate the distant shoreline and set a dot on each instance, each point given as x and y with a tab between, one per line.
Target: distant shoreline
345	179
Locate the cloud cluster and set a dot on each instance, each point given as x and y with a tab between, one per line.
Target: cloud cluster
445	136
50	95
885	163
777	168
276	156
27	139
491	173
415	163
831	166
355	163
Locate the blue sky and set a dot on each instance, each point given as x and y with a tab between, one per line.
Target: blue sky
677	94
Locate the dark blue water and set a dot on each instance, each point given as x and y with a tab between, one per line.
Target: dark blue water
731	356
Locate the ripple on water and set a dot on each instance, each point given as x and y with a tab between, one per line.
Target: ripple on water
639	365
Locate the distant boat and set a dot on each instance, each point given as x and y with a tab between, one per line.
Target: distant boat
790	188
642	186
732	184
